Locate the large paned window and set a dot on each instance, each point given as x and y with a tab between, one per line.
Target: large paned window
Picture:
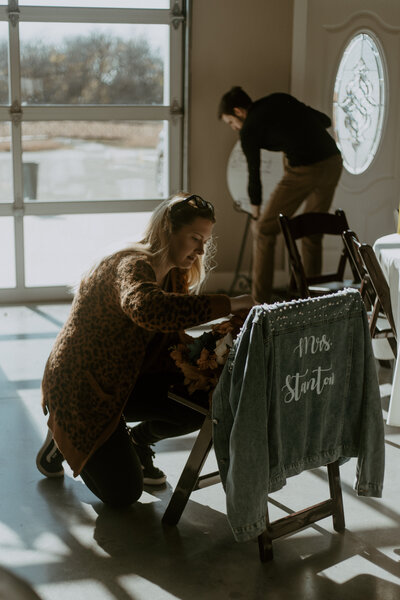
91	127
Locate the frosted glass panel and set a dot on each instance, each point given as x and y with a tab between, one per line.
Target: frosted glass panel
359	103
59	249
7	262
94	160
3	63
6	177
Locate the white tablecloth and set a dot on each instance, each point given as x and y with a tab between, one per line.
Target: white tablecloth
387	250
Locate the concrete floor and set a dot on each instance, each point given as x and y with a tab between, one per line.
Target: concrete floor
59	539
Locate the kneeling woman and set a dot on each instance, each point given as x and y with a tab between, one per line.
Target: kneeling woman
110	362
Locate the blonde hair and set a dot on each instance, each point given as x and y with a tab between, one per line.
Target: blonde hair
156	238
163	223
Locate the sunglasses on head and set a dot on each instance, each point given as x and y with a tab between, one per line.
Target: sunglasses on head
193	201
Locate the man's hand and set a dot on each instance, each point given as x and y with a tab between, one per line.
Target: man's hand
255	211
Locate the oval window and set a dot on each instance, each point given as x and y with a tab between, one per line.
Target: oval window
359	102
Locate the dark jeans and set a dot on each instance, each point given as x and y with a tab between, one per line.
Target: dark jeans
114	473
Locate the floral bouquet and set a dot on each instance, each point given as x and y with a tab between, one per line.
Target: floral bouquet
202	359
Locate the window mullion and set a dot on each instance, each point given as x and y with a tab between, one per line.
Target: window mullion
16	145
93	15
66	112
176	99
15	107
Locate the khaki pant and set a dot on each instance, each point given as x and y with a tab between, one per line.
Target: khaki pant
315	184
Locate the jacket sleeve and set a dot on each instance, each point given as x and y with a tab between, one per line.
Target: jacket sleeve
371	457
244	459
154	309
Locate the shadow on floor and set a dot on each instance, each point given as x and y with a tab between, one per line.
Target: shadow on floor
200	553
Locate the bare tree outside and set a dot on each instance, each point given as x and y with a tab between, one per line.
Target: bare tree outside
95	69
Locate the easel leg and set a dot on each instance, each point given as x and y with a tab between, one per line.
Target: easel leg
237	275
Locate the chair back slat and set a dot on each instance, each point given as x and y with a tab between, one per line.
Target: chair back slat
310	224
353	245
314	223
298	275
378	280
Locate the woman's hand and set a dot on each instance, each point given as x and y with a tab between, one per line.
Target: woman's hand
255	212
243	303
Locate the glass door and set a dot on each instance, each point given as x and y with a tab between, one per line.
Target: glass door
90	133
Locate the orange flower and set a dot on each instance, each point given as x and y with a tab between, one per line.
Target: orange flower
177	353
205	373
223	328
207	360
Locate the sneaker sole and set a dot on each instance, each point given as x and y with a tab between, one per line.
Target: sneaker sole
159	481
39	458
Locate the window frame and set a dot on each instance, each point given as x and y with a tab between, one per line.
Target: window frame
15	114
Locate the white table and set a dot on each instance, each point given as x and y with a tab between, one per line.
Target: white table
387	250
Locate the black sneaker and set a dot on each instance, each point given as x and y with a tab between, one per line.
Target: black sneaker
151	474
49	459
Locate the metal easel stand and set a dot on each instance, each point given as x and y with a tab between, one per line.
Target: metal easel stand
241	281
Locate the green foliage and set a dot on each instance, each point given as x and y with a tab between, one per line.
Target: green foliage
207	340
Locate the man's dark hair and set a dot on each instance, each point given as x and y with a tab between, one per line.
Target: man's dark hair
236	97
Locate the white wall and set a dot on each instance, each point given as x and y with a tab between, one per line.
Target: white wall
233	42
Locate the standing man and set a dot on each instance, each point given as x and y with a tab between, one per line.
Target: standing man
312	164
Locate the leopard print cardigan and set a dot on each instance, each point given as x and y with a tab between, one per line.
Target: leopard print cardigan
98	354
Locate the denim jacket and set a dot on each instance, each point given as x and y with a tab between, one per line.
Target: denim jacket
299	390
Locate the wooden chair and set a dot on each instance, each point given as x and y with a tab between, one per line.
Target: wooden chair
352	244
192	480
305	225
381	326
382	303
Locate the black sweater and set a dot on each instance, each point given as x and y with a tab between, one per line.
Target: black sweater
281	123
